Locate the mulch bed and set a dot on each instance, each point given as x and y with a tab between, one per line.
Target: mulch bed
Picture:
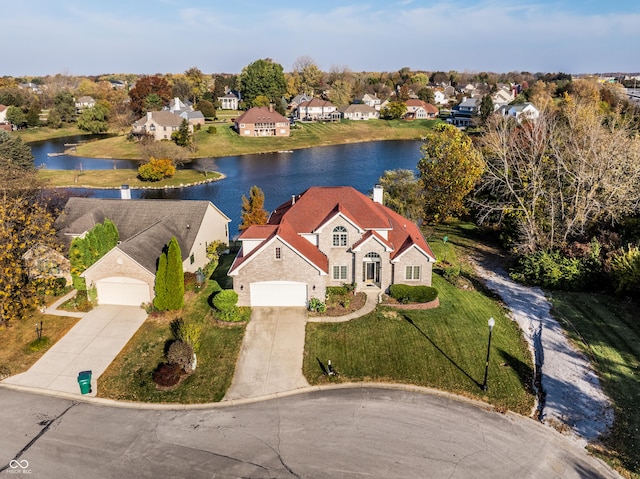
336	307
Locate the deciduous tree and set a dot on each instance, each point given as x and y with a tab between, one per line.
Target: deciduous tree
560	176
95	119
403	193
253	212
262	78
146	86
394	110
449	169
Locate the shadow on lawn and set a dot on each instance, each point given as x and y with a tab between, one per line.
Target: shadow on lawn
523	370
410	321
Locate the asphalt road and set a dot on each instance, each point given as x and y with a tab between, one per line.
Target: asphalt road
338	433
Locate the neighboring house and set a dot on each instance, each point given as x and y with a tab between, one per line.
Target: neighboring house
469	105
439	97
372	101
316	109
33	87
520	111
502	97
3	113
158	124
84	102
184	109
126	274
43	262
297	100
230	101
118	84
359	112
328	236
262	121
419	110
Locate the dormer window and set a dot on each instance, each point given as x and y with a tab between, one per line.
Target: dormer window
339	236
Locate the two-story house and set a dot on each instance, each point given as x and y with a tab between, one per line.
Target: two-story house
317	109
420	110
262	121
230	100
328	236
158	124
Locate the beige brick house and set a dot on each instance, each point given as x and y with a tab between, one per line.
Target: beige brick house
126	274
158	124
262	121
328	236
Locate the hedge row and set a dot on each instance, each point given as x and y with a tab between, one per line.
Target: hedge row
405	293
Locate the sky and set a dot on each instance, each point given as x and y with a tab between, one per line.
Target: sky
80	37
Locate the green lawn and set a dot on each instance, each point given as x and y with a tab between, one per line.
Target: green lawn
226	142
443	348
607	329
129	377
114	178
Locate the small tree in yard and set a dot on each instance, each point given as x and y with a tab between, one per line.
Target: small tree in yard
182	137
169	285
253	212
156	169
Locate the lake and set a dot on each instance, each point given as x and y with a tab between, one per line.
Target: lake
279	175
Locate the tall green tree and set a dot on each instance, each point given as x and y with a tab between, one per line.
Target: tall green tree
486	108
65	106
450	168
262	78
94	120
16	116
14	154
182	137
253	212
169	284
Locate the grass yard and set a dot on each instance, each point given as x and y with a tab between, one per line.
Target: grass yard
19	350
115	178
129	377
45	133
226	142
607	329
443	348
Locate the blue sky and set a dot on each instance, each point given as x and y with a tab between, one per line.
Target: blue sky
169	36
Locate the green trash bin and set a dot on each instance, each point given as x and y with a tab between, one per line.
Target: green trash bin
84	381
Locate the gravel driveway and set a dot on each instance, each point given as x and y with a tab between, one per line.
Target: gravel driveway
571	399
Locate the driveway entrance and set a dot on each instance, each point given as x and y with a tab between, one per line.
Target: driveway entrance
270	359
92	344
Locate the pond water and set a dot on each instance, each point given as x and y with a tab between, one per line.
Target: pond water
279	175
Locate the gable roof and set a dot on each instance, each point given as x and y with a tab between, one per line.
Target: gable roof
261	114
145	226
316	103
310	210
358	108
162	118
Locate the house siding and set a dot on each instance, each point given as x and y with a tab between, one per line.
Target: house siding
214	227
291	267
413	257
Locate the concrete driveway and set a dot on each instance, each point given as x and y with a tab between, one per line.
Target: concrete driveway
270	359
92	344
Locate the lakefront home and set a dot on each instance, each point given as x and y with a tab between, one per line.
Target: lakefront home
126	274
262	121
328	236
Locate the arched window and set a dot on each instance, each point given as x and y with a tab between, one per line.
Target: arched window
339	236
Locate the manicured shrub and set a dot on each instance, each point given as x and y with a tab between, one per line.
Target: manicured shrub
167	375
317	306
169	284
212	130
181	353
405	293
225	303
337	291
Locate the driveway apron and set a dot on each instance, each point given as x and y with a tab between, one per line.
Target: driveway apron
270	359
91	345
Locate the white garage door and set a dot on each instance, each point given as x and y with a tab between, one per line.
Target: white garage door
123	291
278	293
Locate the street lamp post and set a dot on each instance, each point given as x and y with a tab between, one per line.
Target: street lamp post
491	324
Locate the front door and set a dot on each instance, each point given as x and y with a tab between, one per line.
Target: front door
371	268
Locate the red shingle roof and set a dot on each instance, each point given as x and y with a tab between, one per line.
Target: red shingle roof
261	114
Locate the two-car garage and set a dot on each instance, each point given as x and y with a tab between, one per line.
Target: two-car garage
122	291
278	293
